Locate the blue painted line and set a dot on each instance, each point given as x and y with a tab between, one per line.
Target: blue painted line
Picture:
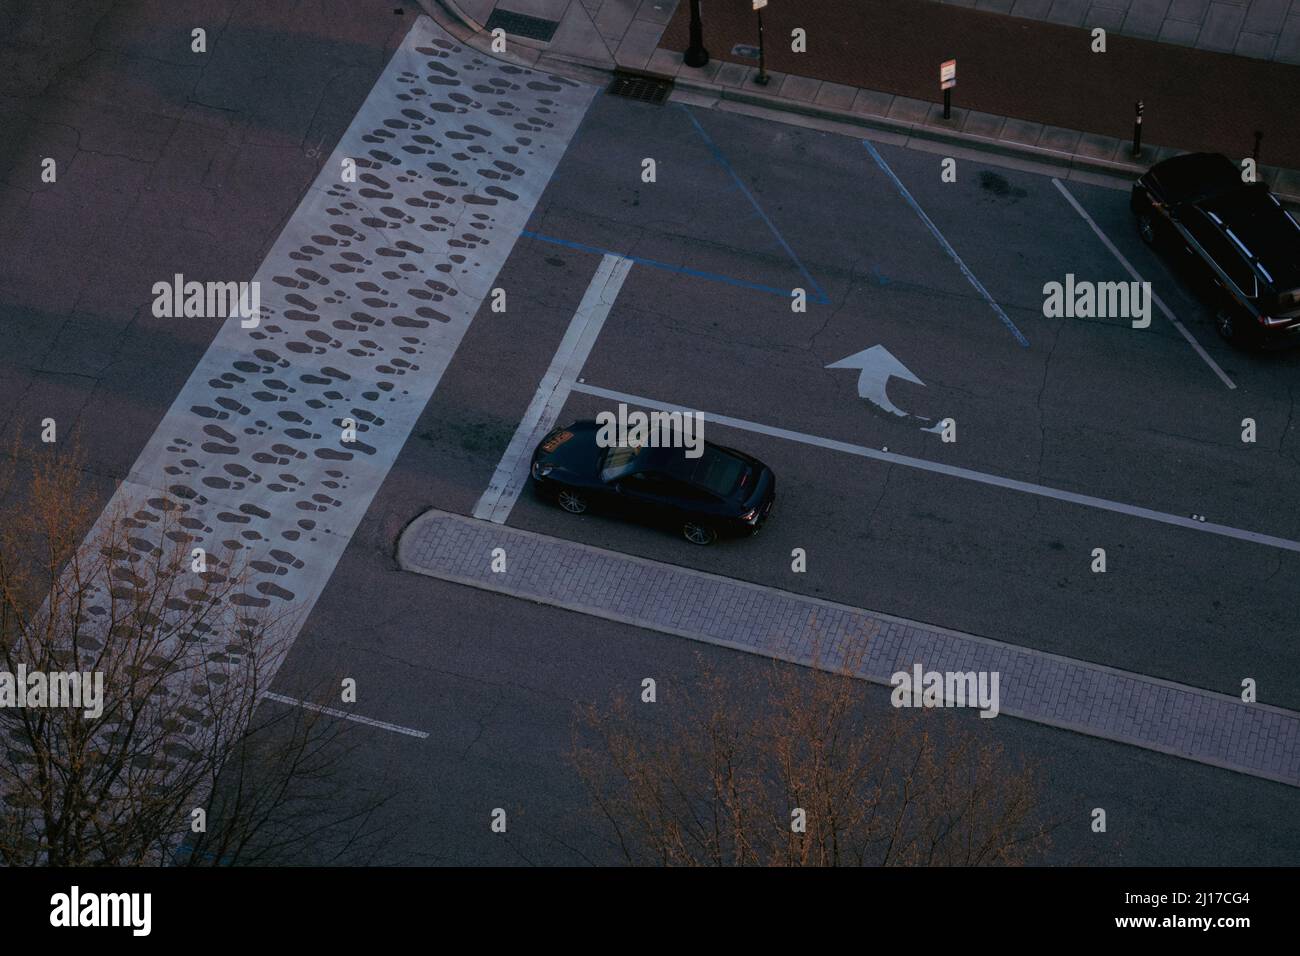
820	295
952	253
654	263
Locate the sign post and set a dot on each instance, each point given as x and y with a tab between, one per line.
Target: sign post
762	77
696	54
947	80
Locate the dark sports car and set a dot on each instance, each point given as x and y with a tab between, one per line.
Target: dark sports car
721	492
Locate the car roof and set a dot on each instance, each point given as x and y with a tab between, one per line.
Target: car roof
713	470
1263	229
1194	176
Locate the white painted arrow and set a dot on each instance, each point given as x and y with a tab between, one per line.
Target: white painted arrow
878	366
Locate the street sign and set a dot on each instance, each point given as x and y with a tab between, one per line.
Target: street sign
759	4
947	74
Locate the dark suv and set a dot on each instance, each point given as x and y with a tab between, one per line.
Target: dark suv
1232	233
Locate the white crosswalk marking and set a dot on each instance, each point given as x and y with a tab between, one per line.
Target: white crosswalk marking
366	296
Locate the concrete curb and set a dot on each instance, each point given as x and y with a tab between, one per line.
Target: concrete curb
553	587
908	129
450	15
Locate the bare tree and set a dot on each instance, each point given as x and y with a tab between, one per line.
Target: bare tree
791	767
179	761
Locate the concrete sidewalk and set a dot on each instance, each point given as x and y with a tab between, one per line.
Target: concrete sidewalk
1188	722
593	38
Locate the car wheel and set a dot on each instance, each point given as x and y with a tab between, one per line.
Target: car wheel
572	502
698	533
1226	324
1146	228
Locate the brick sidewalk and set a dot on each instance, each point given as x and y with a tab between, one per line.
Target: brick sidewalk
1030	70
594	37
1159	715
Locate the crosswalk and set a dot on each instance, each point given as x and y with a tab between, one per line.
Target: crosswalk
365	297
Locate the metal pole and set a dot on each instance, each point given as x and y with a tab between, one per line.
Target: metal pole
696	54
1137	129
762	77
947	104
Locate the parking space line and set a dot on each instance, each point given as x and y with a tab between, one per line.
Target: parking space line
1191	340
356	718
820	296
512	472
953	471
947	246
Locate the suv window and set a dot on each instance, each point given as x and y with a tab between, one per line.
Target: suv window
1209	236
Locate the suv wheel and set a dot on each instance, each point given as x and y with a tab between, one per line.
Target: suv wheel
1226	324
698	533
1146	228
572	502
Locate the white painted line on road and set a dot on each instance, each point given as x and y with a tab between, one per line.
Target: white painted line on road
947	246
335	712
953	471
1137	278
512	472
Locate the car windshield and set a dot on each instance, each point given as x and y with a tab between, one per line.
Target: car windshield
620	461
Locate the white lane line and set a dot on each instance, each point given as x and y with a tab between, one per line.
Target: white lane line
1191	340
947	246
953	471
512	472
335	712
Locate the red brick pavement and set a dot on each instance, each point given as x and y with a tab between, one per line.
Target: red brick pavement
1035	71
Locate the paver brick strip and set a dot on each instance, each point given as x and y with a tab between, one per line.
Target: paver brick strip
1215	729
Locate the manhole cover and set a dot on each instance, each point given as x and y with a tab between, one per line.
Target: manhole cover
647	89
522	25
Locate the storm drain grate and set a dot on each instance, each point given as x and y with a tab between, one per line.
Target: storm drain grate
647	89
522	25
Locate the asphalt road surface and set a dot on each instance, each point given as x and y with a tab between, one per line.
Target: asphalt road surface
1090	407
198	174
